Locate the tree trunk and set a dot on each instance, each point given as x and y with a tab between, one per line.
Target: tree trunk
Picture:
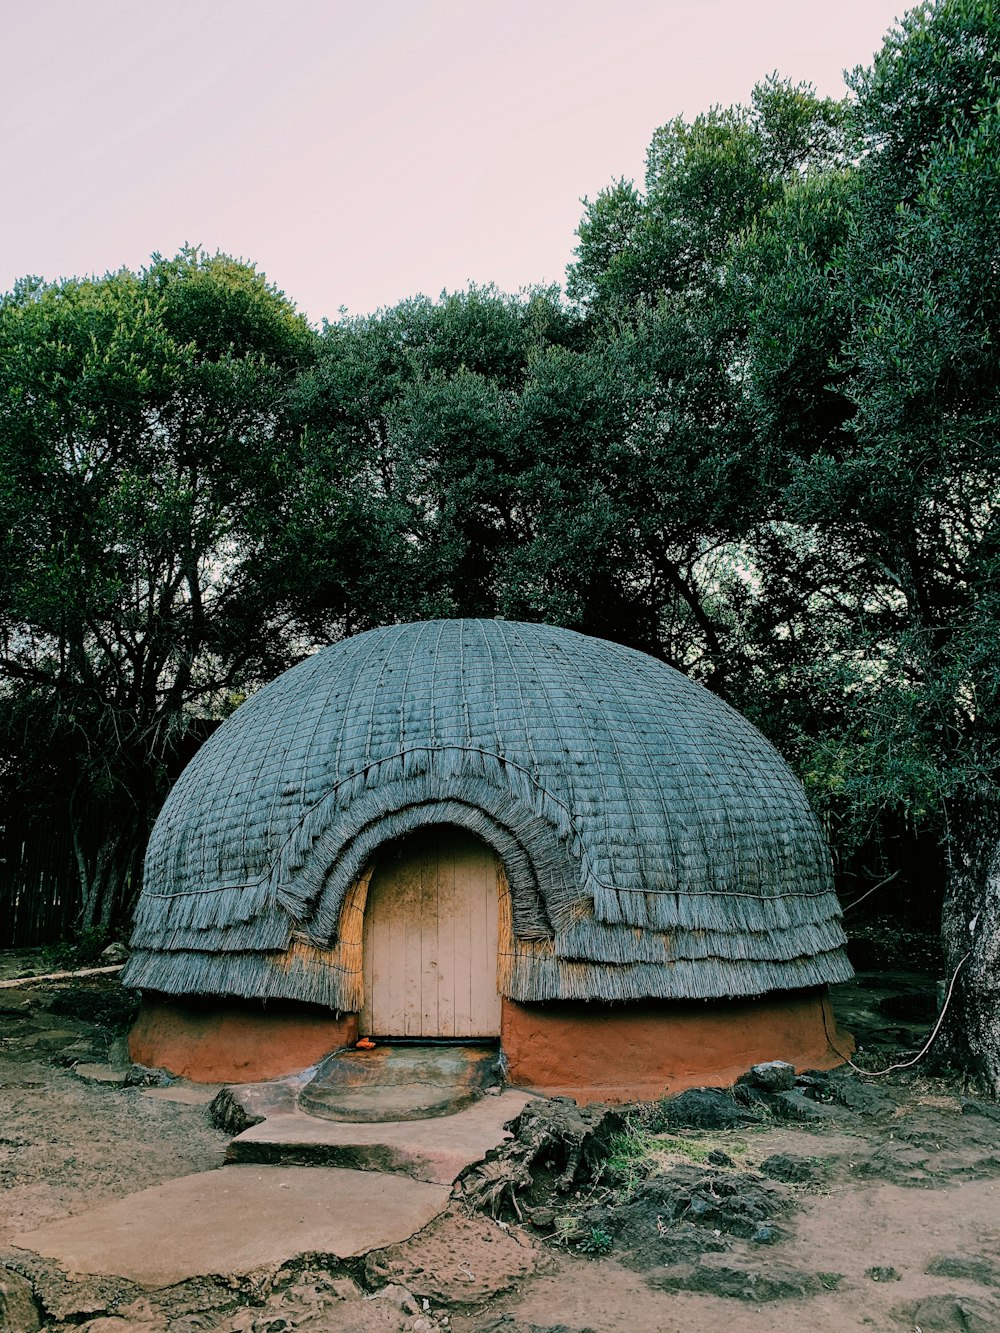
86	884
970	929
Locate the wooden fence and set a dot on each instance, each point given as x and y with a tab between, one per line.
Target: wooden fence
39	888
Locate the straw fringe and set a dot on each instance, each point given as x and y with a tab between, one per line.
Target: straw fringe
530	973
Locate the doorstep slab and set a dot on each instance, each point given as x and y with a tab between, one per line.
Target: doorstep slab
435	1150
397	1082
236	1219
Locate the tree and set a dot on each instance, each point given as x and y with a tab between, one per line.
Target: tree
706	183
140	423
883	397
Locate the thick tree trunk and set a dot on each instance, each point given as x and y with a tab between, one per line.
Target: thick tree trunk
971	930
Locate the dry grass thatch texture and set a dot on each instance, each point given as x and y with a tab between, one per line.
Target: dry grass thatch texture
655	844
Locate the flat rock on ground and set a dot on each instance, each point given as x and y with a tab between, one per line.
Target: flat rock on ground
237	1219
434	1150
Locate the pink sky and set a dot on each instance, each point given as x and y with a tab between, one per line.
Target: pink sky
364	152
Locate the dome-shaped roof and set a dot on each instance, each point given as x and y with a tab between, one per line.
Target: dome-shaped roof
655	843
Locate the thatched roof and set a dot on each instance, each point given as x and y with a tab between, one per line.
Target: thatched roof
655	844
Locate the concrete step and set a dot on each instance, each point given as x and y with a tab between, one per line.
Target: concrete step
434	1150
399	1083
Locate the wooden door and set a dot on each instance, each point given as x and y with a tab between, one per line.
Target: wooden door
430	938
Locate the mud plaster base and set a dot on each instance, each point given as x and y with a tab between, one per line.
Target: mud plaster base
622	1053
593	1052
229	1041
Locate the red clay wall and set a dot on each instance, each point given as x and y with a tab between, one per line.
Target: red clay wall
232	1041
622	1053
594	1052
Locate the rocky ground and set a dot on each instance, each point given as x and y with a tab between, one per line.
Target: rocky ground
829	1202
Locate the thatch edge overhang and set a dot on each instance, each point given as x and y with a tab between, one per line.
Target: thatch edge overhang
533	978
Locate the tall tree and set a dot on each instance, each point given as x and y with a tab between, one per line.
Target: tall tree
140	424
884	396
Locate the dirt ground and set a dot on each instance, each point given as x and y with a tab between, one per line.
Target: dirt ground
864	1204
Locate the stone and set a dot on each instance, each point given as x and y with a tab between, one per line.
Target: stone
80	1052
740	1279
705	1108
766	1235
113	954
398	1083
719	1158
344	1289
435	1150
294	1210
396	1295
100	1073
53	1039
241	1106
954	1314
795	1105
971	1268
770	1076
18	1311
861	1097
139	1076
790	1168
882	1273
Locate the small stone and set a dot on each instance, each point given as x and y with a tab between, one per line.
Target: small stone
113	954
882	1273
719	1158
112	1324
80	1051
705	1108
949	1314
141	1312
99	1073
18	1311
862	1098
344	1289
771	1076
138	1076
53	1039
765	1235
794	1105
399	1296
543	1218
970	1268
790	1168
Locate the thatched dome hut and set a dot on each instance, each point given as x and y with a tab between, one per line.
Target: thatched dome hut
479	828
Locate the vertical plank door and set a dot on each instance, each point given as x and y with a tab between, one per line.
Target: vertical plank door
430	938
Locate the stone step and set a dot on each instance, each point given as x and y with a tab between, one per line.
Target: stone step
432	1149
399	1082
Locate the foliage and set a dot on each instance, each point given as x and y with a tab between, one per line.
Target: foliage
138	421
706	183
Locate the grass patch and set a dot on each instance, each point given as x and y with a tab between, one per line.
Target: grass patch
639	1153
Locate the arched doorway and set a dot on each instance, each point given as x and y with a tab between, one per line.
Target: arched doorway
431	936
